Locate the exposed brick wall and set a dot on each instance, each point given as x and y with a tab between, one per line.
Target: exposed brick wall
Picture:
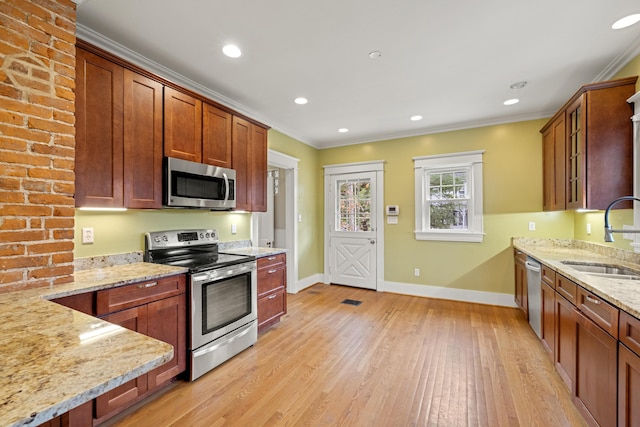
37	139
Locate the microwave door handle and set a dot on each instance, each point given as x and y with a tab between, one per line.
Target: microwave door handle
226	188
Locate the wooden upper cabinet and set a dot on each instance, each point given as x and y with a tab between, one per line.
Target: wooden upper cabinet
182	126
99	131
142	142
553	149
258	169
249	148
216	136
598	141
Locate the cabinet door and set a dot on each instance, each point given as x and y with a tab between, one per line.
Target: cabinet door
521	296
216	136
270	308
576	155
553	147
99	131
628	387
595	387
565	346
142	142
258	169
241	139
548	326
182	126
112	401
167	321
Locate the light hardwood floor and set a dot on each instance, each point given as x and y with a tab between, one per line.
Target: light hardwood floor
394	360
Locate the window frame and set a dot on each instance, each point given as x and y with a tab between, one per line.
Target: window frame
471	161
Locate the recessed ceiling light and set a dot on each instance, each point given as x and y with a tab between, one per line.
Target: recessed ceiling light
375	54
511	101
301	101
343	130
518	85
232	51
416	118
625	22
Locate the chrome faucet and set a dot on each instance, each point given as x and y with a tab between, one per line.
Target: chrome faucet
608	231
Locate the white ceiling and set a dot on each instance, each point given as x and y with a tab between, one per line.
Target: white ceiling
450	61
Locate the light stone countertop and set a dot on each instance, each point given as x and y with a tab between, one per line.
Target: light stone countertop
258	252
625	294
53	358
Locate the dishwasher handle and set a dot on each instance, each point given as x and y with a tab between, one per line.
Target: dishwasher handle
532	266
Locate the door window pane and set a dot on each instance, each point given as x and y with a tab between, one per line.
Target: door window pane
354	205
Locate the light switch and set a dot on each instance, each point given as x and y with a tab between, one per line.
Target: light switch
532	226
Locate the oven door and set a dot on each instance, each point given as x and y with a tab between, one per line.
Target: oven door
222	300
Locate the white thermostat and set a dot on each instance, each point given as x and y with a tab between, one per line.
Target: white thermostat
393	210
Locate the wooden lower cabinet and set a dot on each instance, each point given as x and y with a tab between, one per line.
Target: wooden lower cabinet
521	295
80	416
565	344
628	387
548	319
595	388
272	290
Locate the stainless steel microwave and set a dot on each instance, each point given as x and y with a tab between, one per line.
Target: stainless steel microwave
196	185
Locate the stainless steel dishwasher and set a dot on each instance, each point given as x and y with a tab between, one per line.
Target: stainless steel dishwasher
534	294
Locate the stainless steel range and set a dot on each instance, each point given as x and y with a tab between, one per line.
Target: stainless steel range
223	294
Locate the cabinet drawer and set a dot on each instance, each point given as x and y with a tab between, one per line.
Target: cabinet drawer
567	288
120	298
271	261
270	279
599	311
271	307
548	276
630	331
519	255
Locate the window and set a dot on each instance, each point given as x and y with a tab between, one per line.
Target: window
449	197
354	205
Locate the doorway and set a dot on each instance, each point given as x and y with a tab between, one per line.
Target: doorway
354	234
278	227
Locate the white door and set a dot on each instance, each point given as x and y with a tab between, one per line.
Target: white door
266	226
352	233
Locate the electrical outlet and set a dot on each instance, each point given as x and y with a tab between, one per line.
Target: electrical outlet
87	235
234	229
588	228
532	226
416	272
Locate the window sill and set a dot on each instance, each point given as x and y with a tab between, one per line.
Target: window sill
449	236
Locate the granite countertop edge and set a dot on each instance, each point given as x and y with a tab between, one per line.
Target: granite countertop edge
48	368
619	292
256	251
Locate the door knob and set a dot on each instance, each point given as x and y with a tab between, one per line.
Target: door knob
373	242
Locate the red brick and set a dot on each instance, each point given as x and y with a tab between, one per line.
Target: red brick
24	133
63	279
63	211
11	197
26	82
30	8
50	199
65	93
65	140
64	116
67	164
22	236
52	150
63	234
13	144
51	223
48	101
25	159
25	210
68	48
50	247
62	258
47	272
10	277
47	54
63	188
51	126
49	28
8	49
55	174
60	7
11	117
41	74
12	170
8	90
13	38
12	250
28	109
12	224
35	223
65	70
11	263
36	186
9	183
12	12
24	29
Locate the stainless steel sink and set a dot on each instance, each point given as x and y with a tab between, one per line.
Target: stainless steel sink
604	270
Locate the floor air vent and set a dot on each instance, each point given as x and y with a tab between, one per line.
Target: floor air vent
351	302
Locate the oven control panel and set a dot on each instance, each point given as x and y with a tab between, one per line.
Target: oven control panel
178	238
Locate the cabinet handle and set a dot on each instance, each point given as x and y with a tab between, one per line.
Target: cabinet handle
272	271
272	296
148	285
271	258
593	300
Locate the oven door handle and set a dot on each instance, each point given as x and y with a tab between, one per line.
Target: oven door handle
226	188
247	329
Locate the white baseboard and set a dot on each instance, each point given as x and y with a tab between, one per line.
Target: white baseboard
308	281
464	295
